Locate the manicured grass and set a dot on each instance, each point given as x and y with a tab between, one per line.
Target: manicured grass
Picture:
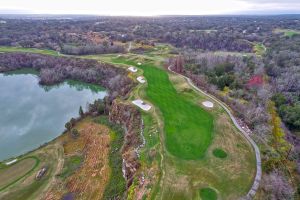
287	32
28	50
208	194
188	128
219	153
15	172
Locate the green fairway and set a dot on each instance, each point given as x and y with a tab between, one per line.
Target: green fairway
188	127
28	50
208	194
287	32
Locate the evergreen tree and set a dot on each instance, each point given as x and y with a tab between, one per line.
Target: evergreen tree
81	113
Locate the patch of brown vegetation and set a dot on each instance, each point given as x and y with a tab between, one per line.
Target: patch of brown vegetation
90	180
74	146
95	37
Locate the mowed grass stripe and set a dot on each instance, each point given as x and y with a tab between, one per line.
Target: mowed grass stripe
188	127
17	171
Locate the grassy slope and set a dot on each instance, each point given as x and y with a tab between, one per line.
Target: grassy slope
188	128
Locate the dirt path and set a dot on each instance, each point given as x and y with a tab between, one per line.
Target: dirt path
129	47
59	167
257	179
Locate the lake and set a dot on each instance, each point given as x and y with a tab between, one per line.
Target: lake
31	114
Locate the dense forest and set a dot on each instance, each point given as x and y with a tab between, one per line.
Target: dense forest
106	34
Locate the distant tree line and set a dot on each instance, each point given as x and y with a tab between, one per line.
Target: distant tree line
85	36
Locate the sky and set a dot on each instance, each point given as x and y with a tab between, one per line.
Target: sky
150	7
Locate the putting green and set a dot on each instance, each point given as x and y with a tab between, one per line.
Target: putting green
208	194
188	127
219	153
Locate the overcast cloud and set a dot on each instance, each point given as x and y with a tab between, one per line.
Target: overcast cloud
149	7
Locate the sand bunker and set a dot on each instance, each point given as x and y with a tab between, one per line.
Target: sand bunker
11	162
141	79
208	104
139	63
132	69
141	104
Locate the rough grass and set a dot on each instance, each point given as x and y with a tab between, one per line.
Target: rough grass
71	165
188	128
208	194
219	153
116	185
90	179
17	171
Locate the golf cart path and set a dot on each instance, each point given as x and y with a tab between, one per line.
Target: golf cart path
257	179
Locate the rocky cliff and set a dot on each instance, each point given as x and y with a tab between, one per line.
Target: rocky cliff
130	118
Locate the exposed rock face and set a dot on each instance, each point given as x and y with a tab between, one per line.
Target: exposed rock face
130	118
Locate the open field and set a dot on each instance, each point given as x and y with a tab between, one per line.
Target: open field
287	32
15	172
28	187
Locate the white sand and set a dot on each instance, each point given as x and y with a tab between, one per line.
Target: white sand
208	104
141	79
139	63
132	69
11	162
141	104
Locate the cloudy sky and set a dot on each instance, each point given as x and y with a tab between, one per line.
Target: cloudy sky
150	7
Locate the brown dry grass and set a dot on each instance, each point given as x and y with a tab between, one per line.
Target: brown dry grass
90	180
14	172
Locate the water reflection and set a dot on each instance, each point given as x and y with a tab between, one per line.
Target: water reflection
31	115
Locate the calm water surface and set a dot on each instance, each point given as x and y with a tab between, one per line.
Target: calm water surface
31	115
